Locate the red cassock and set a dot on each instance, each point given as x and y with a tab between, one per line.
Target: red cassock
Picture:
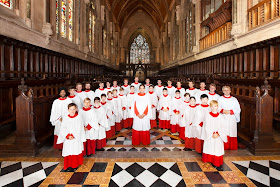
141	127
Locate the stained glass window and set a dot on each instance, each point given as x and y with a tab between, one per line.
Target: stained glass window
91	28
57	16
63	18
28	9
7	3
70	12
139	51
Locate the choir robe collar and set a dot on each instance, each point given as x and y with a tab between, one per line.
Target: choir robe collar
186	101
227	97
136	82
192	106
125	85
169	86
204	105
87	90
70	96
214	115
159	85
96	107
79	91
76	114
115	97
191	88
202	89
102	89
141	94
62	99
103	103
108	88
151	92
177	97
110	99
131	93
165	95
179	88
212	94
86	109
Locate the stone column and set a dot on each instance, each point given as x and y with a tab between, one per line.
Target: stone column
197	4
239	19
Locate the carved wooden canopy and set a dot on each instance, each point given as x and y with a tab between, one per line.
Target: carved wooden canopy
219	17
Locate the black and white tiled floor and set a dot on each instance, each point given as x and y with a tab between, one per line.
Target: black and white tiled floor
261	172
146	174
17	174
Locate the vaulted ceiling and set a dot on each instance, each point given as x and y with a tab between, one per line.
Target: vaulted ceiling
123	9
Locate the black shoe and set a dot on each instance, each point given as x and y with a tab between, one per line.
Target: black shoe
60	149
102	149
89	155
75	169
70	169
220	168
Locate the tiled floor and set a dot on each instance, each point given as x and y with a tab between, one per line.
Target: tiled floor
159	172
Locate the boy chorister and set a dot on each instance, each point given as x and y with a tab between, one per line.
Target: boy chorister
108	87
171	89
147	85
103	124
90	125
164	108
154	103
141	109
108	114
126	87
187	121
99	91
75	99
118	111
72	135
184	106
130	98
81	94
89	93
58	112
214	135
113	108
175	109
231	112
191	90
201	91
212	95
182	90
136	84
199	121
158	88
124	107
115	86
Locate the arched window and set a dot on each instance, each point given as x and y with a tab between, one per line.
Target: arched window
91	27
7	3
139	51
64	18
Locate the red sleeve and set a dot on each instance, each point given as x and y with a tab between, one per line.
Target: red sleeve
136	110
146	111
231	112
222	111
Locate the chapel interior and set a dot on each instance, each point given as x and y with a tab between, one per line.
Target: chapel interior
48	44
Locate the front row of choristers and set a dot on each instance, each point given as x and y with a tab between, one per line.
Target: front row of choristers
83	121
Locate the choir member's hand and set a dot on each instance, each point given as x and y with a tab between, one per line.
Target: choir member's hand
226	111
60	119
71	137
85	128
165	110
215	135
177	113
